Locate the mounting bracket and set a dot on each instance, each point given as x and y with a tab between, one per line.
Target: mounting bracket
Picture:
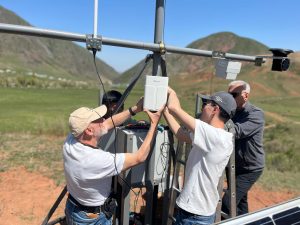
93	43
218	55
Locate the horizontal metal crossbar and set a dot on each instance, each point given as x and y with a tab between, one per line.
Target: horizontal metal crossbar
33	31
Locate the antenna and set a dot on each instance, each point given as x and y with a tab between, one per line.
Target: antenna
95	18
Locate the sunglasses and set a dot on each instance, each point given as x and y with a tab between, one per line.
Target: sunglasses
100	120
204	103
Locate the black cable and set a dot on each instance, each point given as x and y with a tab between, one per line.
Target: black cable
120	102
163	159
115	129
132	84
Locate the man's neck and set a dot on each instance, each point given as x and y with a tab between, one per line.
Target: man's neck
242	107
91	143
217	123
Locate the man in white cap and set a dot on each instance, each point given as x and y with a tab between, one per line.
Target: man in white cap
212	147
89	170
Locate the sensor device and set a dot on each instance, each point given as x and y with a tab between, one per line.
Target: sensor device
227	69
280	60
156	91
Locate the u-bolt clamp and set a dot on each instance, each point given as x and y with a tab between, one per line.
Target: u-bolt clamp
162	48
93	43
218	55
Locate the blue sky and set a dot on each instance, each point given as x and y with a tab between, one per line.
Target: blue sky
274	23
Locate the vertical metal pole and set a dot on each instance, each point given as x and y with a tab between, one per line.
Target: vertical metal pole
198	106
156	71
158	35
95	18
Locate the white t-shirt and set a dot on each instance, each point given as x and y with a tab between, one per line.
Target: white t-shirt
209	155
88	171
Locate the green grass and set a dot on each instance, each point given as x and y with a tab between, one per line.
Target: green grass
40	110
285	106
34	122
276	181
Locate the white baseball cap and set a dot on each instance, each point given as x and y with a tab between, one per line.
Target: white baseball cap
80	119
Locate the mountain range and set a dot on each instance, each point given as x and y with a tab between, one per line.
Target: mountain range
58	58
46	56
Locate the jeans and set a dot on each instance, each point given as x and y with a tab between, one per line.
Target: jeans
186	218
244	182
75	216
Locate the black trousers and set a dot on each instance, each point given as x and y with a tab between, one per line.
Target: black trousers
244	182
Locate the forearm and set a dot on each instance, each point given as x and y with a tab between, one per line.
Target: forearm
132	159
184	118
176	111
119	118
145	148
173	124
175	127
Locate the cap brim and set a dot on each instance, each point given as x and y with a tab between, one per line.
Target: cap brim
206	97
99	112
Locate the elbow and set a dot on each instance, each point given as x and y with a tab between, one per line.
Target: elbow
140	159
141	156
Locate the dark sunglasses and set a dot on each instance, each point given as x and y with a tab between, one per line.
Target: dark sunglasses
235	94
204	103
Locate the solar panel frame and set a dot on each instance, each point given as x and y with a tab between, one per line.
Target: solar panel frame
276	214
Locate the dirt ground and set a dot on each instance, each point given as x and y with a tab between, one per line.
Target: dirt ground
26	198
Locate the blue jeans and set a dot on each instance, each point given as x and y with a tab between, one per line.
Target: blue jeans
75	216
186	218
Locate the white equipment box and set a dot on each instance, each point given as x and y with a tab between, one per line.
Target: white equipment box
227	69
156	91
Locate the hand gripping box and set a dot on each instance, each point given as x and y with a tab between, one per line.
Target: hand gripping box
156	91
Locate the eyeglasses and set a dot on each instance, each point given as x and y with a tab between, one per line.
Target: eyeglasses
100	120
204	103
234	94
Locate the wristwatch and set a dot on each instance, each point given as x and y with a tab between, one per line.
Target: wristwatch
131	112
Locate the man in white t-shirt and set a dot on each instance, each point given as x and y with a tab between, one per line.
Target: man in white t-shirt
211	149
89	170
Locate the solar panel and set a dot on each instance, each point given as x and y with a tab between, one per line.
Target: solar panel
288	217
287	213
263	221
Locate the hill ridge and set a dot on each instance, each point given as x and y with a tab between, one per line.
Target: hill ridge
56	58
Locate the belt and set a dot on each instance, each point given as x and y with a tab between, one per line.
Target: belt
187	213
88	209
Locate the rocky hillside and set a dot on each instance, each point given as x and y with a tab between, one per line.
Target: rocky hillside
197	73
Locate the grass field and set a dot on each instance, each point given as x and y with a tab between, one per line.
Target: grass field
33	125
42	111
